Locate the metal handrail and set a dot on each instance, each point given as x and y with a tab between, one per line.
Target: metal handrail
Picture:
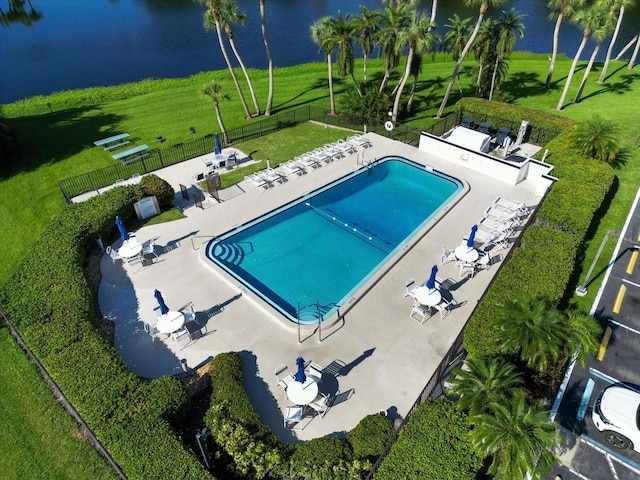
210	237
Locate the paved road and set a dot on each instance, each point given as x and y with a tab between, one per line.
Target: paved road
588	455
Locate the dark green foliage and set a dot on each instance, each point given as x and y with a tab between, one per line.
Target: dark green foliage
369	438
50	302
153	185
7	141
371	104
433	444
326	458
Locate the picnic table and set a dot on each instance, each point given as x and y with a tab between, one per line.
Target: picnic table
129	153
115	141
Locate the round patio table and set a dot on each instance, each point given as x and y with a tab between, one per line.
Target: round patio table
130	248
466	254
303	393
427	296
170	322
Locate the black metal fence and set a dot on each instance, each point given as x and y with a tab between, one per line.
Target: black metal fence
161	158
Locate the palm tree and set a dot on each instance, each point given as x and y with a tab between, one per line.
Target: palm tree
232	14
342	32
621	5
483	50
392	21
456	38
634	55
482	381
519	438
263	25
213	90
509	24
596	138
321	34
484	6
583	335
212	20
590	20
599	34
416	70
530	328
365	29
560	9
418	36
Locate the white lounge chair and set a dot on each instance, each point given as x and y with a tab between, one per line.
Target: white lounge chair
257	180
503	215
345	147
292	168
510	205
307	161
497	225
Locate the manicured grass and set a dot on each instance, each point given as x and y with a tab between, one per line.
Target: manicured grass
39	439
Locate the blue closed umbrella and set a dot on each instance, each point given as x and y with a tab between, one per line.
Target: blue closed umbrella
123	230
163	306
300	375
431	283
218	148
472	235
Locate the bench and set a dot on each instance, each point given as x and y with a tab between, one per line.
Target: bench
135	159
128	153
117	145
109	140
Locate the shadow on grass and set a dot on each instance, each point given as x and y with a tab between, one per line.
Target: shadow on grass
49	138
620	87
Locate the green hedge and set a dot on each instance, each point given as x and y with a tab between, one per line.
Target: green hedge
543	264
433	444
50	302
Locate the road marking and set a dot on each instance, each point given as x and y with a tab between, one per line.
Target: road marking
633	466
632	262
604	344
631	283
603	376
626	327
612	467
586	396
621	292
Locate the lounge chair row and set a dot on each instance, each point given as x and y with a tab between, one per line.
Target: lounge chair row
500	221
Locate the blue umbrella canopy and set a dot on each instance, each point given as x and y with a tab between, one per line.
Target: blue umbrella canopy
163	306
472	236
431	283
218	148
123	230
300	375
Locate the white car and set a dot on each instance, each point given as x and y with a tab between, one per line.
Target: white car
617	412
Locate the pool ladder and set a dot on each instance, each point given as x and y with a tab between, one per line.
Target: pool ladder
369	164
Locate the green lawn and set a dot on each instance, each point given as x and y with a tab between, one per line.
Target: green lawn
41	441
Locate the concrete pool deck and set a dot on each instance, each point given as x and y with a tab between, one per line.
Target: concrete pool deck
380	359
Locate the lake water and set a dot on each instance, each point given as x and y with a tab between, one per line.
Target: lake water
82	43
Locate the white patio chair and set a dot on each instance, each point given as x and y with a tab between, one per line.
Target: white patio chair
283	376
320	404
315	370
152	330
257	180
497	225
448	255
345	147
292	417
409	287
148	248
485	260
465	268
189	312
113	254
307	161
423	312
191	330
443	307
333	151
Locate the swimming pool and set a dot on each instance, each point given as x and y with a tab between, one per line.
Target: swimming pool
308	257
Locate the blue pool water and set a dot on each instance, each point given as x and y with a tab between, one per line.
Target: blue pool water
308	257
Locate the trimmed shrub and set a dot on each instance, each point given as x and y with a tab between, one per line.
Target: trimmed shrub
369	438
433	444
327	458
153	185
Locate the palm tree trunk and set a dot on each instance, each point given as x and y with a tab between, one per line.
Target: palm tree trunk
412	94
364	66
225	54
554	54
571	72
456	69
586	74
632	61
385	79
603	73
407	71
244	70
434	8
223	130
263	23
331	98
493	76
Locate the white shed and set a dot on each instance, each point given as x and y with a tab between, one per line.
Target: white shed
471	139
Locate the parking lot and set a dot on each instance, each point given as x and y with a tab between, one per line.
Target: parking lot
589	453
